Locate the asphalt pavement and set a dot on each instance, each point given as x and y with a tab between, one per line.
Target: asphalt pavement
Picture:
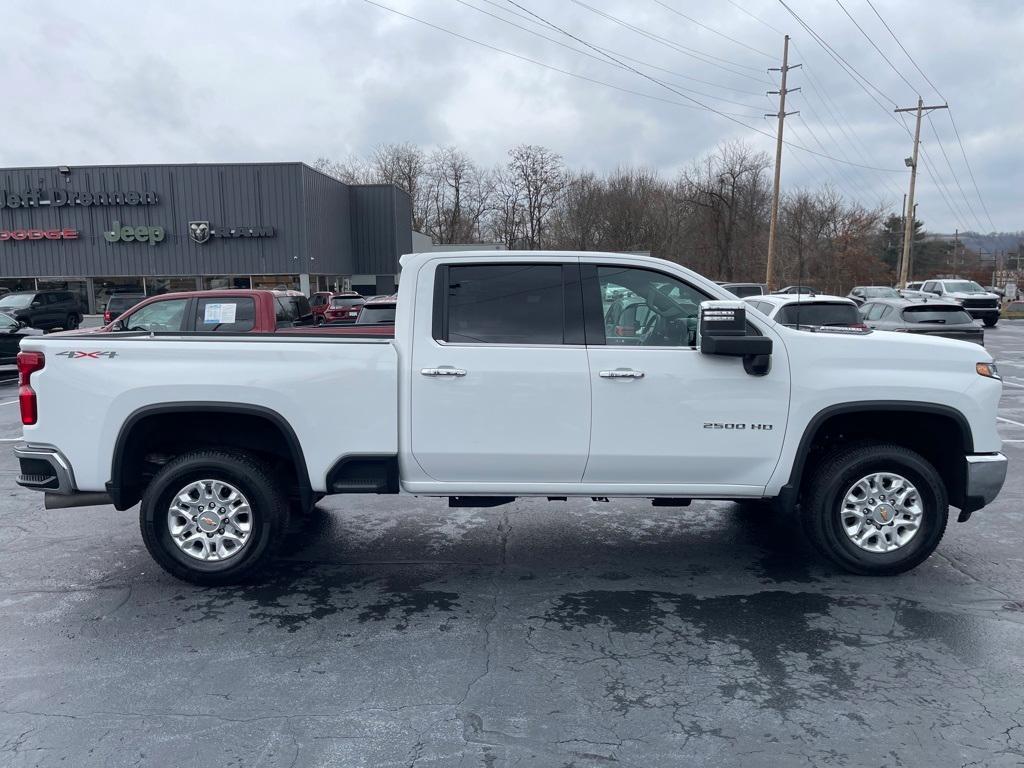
399	632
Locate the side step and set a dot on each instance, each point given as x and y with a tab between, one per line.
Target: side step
364	474
479	501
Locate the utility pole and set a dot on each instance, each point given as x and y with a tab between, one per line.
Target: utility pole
912	163
903	228
956	247
773	223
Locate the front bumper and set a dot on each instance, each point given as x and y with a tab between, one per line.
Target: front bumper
980	313
985	476
44	468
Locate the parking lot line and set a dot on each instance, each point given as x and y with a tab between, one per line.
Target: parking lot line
1009	421
9	402
1012	384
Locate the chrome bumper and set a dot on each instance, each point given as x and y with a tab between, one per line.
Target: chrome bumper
44	468
985	476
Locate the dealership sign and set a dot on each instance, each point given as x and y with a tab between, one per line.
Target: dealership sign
200	231
58	198
128	234
39	234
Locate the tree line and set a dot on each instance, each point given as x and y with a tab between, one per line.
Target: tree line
711	217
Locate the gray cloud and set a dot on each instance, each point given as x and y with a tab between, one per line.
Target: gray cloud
124	82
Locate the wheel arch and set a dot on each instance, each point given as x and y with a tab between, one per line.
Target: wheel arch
127	484
940	433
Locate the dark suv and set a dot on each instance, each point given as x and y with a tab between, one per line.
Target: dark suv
43	309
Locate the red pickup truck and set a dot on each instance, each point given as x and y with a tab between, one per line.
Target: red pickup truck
227	311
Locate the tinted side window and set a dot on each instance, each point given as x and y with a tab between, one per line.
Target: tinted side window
505	304
874	311
225	315
886	313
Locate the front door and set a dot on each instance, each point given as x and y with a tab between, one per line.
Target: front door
500	386
663	413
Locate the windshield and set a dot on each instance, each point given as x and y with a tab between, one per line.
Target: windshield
121	303
818	314
881	293
745	290
371	315
963	286
936	314
16	300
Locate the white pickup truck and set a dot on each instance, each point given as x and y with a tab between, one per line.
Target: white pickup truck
511	374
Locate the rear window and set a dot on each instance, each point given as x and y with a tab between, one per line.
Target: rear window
880	293
818	314
225	315
339	302
745	290
121	303
291	310
372	315
939	315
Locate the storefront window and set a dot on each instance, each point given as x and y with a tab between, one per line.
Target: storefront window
222	282
11	284
78	287
105	286
276	282
156	286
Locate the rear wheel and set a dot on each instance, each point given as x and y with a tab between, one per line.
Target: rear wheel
213	517
875	509
71	323
990	322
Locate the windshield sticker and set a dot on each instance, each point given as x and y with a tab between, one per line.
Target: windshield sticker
216	314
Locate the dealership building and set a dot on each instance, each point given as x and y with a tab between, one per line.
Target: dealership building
151	229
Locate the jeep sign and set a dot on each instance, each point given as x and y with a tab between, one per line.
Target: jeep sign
128	234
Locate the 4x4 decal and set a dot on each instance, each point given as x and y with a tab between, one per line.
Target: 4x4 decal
78	355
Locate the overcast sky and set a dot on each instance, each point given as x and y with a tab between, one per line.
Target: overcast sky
131	82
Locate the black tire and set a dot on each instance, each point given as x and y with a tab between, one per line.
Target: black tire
71	323
269	508
990	322
840	469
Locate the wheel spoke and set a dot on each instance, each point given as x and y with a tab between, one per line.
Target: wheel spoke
223	520
881	512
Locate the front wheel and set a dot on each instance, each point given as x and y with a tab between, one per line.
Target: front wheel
990	322
71	323
213	517
876	509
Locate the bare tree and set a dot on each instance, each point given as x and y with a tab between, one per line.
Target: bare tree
352	170
541	178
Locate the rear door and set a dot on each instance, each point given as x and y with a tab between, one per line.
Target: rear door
500	386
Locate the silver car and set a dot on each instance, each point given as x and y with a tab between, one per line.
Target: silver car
934	317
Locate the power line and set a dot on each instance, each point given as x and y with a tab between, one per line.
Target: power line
956	179
967	163
693	53
621	55
711	29
755	18
699	105
873	45
727	115
889	29
598	58
690	98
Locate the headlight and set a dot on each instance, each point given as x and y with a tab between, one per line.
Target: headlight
988	369
959	301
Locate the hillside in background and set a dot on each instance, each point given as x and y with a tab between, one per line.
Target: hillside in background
992	243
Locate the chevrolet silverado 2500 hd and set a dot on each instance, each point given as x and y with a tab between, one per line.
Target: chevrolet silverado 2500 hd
510	375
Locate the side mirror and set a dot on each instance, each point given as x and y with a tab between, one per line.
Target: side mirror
35	305
722	330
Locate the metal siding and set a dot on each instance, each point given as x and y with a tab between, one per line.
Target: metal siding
327	224
225	195
381	228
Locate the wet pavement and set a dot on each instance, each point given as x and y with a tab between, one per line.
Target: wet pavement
399	632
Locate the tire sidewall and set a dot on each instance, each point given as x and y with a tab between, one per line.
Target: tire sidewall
933	522
263	502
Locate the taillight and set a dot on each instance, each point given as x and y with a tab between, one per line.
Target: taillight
106	318
28	363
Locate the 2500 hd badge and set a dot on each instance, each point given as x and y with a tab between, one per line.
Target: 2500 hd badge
739	425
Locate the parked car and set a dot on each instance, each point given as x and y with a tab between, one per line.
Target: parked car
318	303
810	312
935	318
745	289
796	289
343	309
118	303
45	310
503	385
11	334
981	304
218	311
862	293
378	311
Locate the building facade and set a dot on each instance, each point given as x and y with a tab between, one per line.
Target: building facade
151	229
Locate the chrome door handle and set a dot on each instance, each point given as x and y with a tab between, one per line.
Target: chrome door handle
621	373
444	370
